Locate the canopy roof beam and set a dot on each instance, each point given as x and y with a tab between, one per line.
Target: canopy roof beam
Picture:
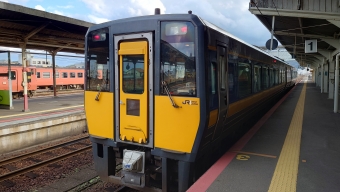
35	31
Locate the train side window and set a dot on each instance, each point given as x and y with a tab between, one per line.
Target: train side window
276	76
13	75
212	81
213	77
64	75
265	77
289	74
271	77
97	66
46	75
284	75
72	75
38	74
280	76
257	78
80	75
244	79
56	75
231	81
178	65
222	72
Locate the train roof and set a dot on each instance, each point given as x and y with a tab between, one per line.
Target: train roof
208	24
177	17
145	18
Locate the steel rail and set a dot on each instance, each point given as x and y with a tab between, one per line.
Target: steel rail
39	151
43	163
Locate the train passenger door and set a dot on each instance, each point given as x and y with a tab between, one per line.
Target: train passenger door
134	89
222	62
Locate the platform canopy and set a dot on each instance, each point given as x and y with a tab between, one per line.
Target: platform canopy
296	21
40	30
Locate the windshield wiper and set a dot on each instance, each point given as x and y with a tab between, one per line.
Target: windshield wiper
99	90
103	82
165	85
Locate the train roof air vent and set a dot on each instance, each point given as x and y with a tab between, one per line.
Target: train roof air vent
157	11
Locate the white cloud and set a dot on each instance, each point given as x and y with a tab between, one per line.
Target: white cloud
142	7
122	9
9	49
6	1
97	20
39	7
66	7
101	6
232	16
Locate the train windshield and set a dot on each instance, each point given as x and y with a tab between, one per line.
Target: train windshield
178	67
97	61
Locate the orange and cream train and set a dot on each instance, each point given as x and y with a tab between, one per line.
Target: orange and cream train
40	78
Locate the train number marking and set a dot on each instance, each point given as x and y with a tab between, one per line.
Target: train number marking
189	102
243	157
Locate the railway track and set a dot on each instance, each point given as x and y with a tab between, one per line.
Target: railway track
15	176
37	163
86	186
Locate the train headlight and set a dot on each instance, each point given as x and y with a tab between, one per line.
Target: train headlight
99	37
176	28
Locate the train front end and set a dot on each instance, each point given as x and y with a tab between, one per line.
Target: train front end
143	100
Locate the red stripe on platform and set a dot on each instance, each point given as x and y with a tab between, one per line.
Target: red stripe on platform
204	182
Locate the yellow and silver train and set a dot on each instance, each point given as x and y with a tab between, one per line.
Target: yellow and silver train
165	94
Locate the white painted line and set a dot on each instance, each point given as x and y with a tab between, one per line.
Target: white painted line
57	109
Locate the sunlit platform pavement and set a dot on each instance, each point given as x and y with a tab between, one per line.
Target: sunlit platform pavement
40	108
295	147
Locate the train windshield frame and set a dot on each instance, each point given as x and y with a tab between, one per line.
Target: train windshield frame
178	64
97	61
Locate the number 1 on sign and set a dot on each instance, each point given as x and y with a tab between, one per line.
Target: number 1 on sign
311	46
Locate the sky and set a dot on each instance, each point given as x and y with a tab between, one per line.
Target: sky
230	15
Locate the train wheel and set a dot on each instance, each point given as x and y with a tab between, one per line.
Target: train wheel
15	96
30	94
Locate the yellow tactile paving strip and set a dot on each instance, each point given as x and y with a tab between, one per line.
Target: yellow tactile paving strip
285	175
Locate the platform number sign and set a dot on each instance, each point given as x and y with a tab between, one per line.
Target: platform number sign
311	46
